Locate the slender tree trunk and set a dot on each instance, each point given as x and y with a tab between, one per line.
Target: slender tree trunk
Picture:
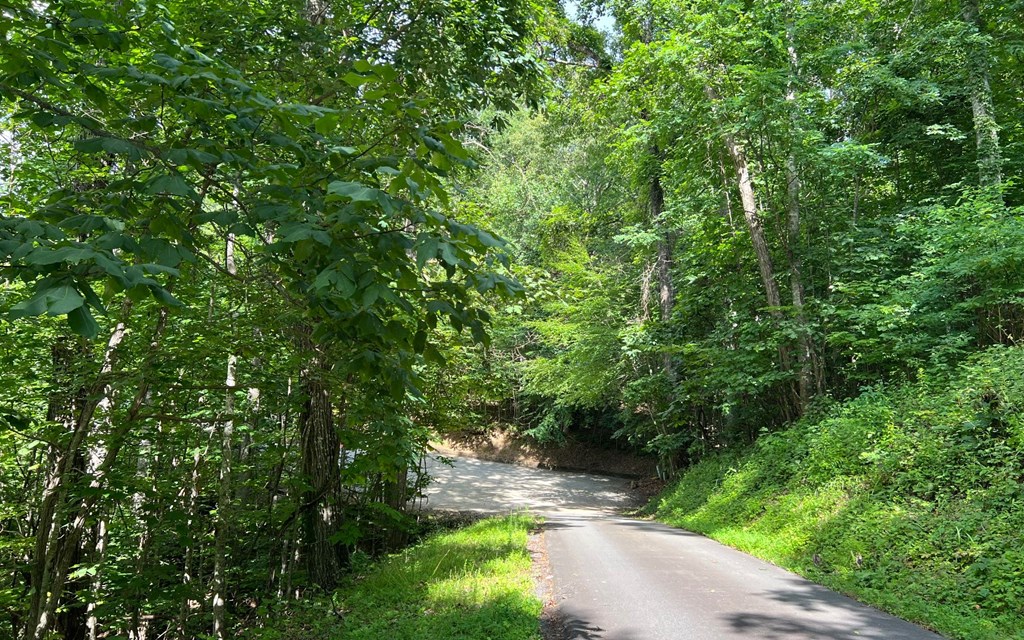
666	294
395	492
751	212
72	616
51	543
221	526
663	264
191	495
59	550
140	621
273	495
752	215
805	349
97	453
986	129
223	519
805	346
101	548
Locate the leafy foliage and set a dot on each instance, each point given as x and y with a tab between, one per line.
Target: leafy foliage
907	497
258	267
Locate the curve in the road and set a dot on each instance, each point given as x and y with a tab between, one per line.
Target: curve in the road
618	578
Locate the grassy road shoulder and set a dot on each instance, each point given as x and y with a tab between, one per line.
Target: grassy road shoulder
471	584
907	498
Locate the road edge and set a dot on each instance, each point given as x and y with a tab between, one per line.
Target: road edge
551	627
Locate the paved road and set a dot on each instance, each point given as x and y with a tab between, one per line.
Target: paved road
618	578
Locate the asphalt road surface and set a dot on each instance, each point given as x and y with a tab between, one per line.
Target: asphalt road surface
617	578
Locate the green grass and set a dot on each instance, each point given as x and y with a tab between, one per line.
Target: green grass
471	584
910	499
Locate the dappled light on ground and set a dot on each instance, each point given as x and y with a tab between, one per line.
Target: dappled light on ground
479	485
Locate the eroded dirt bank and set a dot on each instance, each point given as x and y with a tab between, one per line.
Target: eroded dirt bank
498	445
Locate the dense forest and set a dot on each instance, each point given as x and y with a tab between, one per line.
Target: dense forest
257	255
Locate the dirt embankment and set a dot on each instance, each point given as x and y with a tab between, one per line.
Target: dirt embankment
500	446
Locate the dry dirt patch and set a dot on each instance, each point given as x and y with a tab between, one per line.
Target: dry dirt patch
498	445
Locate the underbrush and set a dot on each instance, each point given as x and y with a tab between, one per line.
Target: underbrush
473	583
908	498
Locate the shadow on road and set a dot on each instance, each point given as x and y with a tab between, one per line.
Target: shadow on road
781	627
564	624
559	524
799	618
654	527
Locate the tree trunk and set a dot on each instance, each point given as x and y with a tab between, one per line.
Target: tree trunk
986	130
666	288
60	544
191	497
319	448
51	543
221	526
395	496
751	213
805	346
219	595
101	547
666	295
97	453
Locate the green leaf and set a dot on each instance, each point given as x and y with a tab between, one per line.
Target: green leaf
162	295
192	157
434	145
34	306
354	191
355	80
488	240
370	295
426	250
431	354
170	184
63	299
327	124
81	322
43	256
448	254
114	146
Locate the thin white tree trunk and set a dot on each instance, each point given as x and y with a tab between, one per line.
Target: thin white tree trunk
219	596
59	557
